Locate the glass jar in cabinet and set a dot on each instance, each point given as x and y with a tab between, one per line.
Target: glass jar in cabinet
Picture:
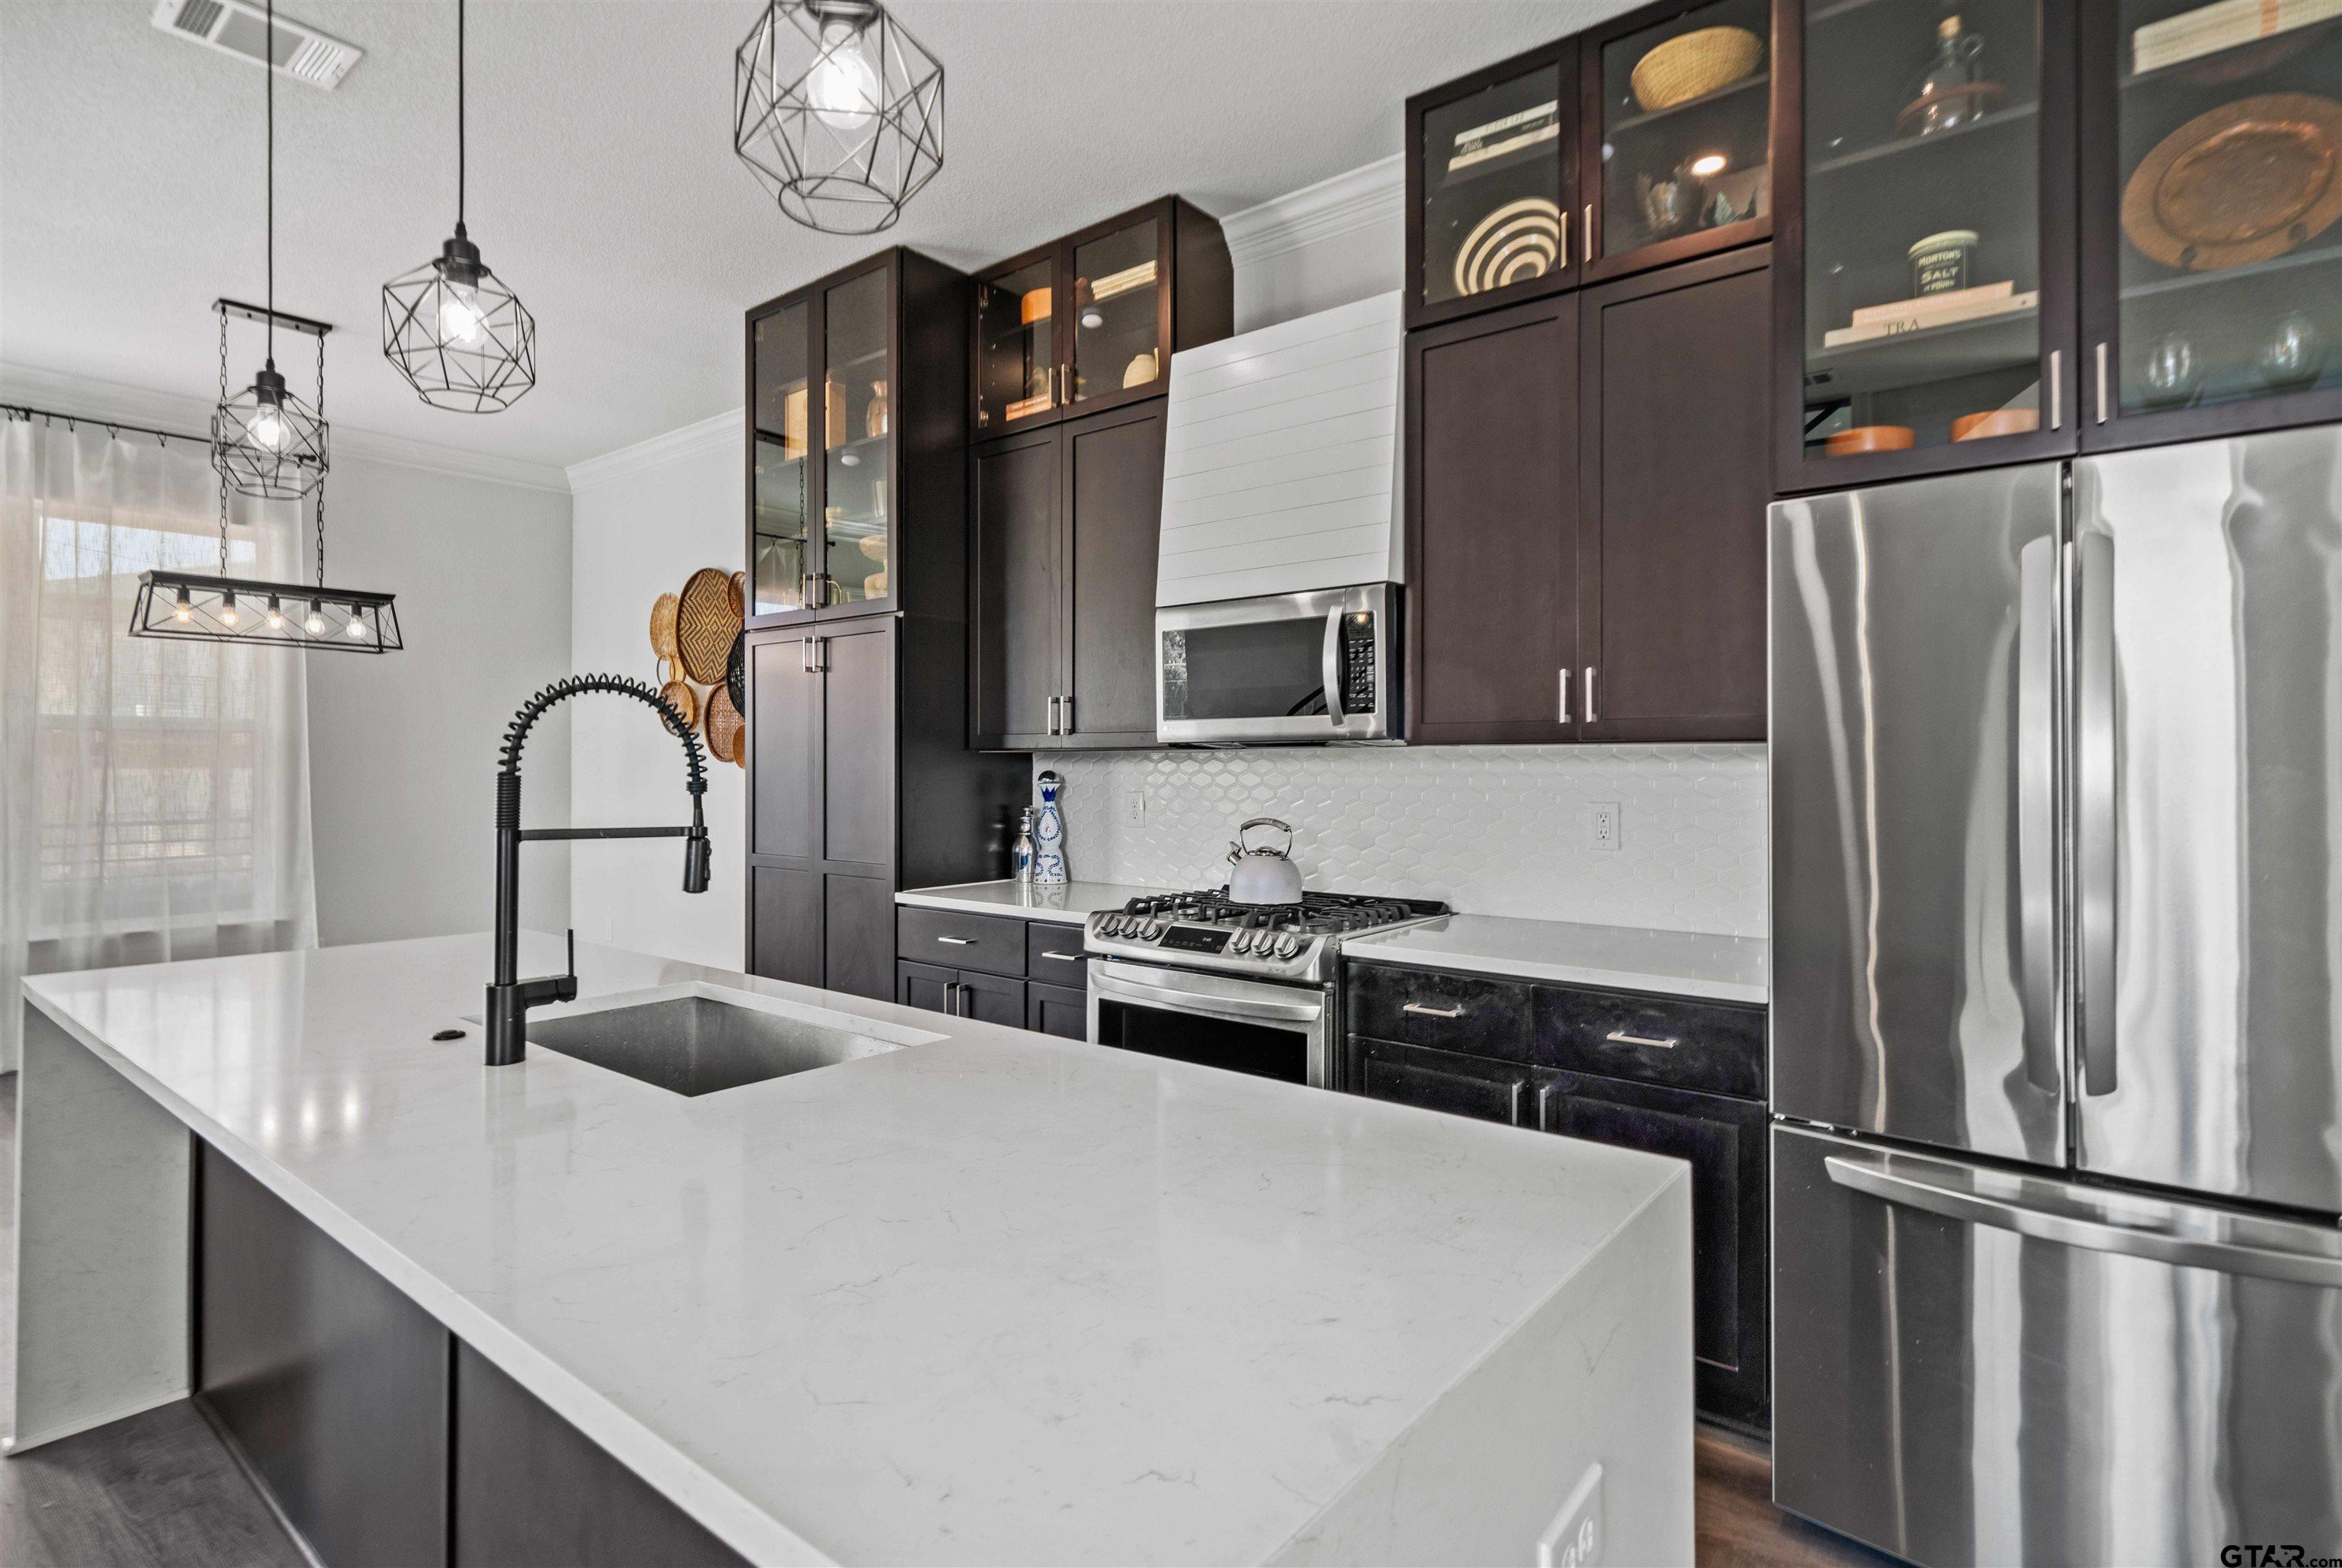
1926	312
1678	132
2212	218
1491	187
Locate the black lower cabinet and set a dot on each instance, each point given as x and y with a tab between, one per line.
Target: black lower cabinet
329	1381
1057	1010
1440	1080
962	993
1723	1141
380	1438
533	1492
1671	1076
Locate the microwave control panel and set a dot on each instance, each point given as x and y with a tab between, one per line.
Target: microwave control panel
1358	662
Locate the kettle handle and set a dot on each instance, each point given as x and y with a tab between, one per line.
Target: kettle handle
1240	847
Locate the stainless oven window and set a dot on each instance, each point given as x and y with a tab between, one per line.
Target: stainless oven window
1253	670
1269	1030
1235	1045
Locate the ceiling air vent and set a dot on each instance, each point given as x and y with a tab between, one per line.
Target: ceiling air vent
235	27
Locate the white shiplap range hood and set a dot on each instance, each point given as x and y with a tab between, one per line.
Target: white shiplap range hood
1281	459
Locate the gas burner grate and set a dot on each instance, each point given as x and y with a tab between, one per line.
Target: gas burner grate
1318	914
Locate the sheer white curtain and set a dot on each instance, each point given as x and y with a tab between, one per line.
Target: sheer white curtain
153	795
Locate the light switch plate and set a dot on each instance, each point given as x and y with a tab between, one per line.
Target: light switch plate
1576	1537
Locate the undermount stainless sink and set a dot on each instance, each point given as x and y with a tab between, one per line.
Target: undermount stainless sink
698	1044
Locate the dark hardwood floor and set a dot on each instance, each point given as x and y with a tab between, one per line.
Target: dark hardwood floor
159	1489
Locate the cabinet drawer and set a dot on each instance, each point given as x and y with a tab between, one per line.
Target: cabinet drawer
1707	1046
1053	953
1439	1080
1467	1012
990	942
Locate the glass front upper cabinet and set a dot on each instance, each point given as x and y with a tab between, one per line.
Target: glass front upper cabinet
2221	214
1015	345
1933	314
1684	143
1119	311
1491	182
781	563
857	440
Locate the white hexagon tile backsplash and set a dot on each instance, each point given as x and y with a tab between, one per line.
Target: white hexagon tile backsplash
1492	830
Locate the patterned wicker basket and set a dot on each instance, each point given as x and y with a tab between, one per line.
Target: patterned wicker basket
706	619
1693	63
683	700
662	610
724	727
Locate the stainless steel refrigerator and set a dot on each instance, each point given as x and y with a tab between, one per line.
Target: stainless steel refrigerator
2057	1025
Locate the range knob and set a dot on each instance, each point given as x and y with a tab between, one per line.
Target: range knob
1240	943
1152	931
1111	925
1287	945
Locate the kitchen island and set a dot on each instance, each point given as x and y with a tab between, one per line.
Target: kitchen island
986	1296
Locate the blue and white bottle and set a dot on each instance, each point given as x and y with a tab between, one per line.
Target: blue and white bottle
1049	832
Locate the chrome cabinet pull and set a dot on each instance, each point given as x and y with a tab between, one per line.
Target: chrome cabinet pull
1053	714
1420	1010
1067	957
1068	710
1589	695
1620	1037
951	997
1564	684
2102	382
1564	236
1586	230
2056	388
956	941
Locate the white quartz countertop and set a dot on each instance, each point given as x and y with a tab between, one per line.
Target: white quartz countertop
1626	958
990	1297
1069	902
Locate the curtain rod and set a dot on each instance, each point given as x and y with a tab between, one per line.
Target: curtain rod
114	427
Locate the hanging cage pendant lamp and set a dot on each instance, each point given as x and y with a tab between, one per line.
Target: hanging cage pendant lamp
266	441
839	112
463	340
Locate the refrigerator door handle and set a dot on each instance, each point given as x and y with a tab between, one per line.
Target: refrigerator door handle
2096	836
2148	1228
2037	805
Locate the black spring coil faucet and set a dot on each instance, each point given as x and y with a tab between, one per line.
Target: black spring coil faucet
509	997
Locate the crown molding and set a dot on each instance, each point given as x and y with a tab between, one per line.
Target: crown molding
717	430
1370	196
98	401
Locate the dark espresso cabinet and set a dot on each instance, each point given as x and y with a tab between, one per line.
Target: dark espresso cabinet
999	968
1675	1076
1674	473
1492	501
1586	482
1064	523
858	784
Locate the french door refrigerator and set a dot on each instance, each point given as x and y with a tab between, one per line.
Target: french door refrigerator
2057	1021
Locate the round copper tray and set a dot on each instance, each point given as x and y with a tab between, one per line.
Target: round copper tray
2242	182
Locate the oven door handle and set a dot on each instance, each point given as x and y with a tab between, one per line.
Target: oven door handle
1310	1012
1330	665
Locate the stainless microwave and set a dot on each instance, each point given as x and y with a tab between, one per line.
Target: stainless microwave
1283	668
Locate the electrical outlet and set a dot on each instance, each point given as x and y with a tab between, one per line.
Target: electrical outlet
1133	804
1602	824
1575	1538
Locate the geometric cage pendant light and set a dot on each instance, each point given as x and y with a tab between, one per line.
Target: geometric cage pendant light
460	337
839	112
266	442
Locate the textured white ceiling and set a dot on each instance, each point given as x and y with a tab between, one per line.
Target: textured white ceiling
603	188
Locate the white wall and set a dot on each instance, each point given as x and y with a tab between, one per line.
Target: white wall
1326	244
403	748
644	519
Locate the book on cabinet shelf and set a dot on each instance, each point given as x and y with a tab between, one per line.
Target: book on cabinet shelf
1897	326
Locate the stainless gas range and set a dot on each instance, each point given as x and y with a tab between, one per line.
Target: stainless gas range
1250	987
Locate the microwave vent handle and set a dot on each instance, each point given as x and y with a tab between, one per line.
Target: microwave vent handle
1331	665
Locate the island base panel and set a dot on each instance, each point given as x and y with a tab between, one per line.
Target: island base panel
332	1384
101	1243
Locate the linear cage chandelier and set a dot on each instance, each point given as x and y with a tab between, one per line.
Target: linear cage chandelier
839	112
460	337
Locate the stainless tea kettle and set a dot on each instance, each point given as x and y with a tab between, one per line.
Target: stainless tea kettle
1263	875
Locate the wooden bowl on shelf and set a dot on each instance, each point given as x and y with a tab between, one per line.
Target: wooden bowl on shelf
1865	438
1996	421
